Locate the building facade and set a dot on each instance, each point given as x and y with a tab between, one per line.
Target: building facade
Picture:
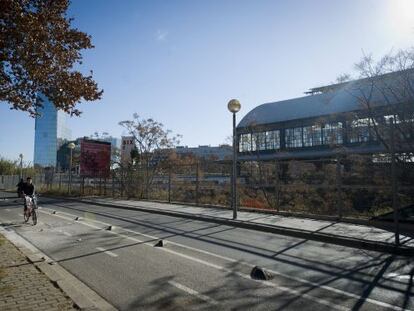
127	145
220	153
115	145
342	118
63	153
50	133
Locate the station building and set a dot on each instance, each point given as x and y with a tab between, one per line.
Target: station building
343	116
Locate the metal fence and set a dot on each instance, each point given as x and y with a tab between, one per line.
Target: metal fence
346	186
353	186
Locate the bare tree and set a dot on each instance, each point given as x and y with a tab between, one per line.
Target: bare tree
385	90
264	176
153	143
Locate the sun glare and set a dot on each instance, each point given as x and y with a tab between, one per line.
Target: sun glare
403	15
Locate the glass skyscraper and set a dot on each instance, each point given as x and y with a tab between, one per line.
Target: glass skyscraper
50	133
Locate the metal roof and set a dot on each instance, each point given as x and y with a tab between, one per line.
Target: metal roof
345	99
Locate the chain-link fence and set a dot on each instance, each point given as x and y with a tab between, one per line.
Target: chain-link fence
199	183
351	186
348	186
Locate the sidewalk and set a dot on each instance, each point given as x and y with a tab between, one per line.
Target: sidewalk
23	286
346	234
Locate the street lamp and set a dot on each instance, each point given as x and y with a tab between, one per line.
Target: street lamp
234	107
21	165
71	146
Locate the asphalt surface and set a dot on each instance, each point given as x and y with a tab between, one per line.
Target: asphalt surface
205	266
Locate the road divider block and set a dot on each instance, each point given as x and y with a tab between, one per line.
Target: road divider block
258	273
160	243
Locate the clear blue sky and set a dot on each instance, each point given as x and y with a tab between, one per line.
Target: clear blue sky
181	61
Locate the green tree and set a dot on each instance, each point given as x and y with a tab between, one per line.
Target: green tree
38	50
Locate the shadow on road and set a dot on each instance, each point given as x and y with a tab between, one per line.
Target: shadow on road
367	275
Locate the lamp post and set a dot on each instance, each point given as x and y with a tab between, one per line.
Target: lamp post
71	146
234	107
21	165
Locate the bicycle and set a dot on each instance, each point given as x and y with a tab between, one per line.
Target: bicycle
30	211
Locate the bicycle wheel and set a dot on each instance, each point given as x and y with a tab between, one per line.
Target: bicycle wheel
34	217
26	215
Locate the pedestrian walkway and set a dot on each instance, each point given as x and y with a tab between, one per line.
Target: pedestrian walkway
23	286
312	227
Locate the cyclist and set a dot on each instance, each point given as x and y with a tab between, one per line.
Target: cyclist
29	190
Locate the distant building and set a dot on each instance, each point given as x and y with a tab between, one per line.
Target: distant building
206	152
127	145
50	133
115	144
63	156
95	158
63	153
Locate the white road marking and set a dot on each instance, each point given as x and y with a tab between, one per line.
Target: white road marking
107	252
66	233
7	210
71	219
399	276
315	284
218	267
266	283
194	293
21	215
301	280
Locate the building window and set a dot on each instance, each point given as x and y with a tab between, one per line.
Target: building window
273	140
293	137
404	124
260	140
312	136
245	143
395	117
333	133
360	131
269	140
254	142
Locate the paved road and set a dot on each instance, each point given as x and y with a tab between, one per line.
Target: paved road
206	266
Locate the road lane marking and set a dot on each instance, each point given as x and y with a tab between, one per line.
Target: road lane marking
194	293
21	215
298	293
107	252
399	276
66	233
263	283
218	267
232	260
7	210
71	219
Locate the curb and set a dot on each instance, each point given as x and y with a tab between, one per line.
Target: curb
297	233
82	296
